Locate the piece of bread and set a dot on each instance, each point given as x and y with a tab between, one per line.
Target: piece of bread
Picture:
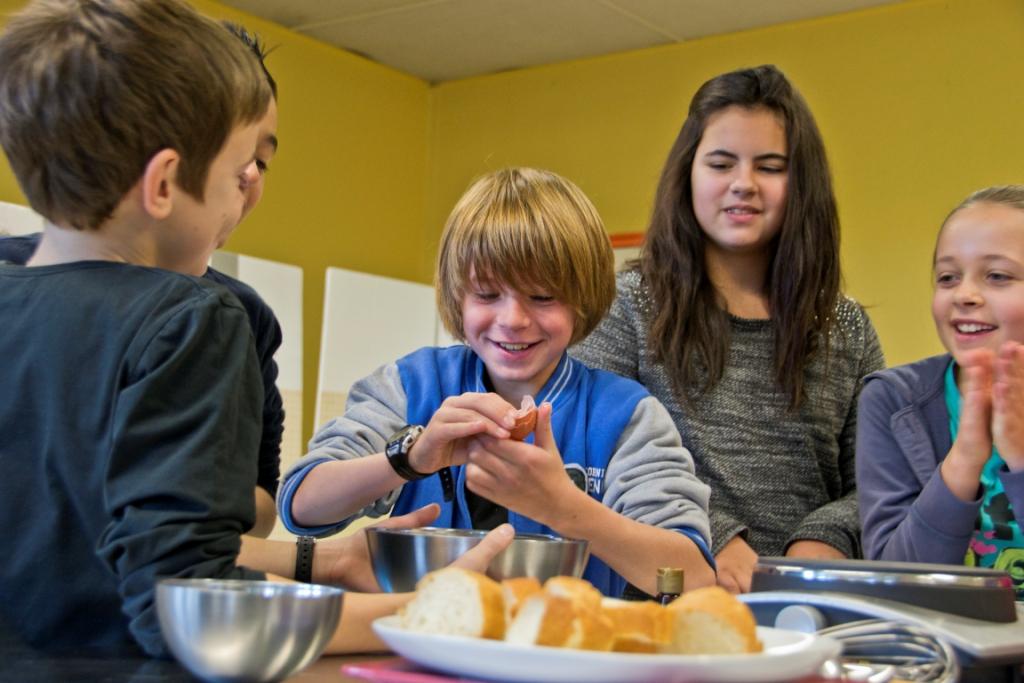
638	626
526	419
555	621
515	591
579	591
456	602
711	621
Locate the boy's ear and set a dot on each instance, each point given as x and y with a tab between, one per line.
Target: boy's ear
157	182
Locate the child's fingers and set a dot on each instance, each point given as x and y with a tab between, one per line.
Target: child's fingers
977	391
974	436
480	454
1009	369
479	556
482	482
469	420
417	518
542	434
490	405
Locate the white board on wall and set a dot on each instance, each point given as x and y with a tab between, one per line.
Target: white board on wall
280	286
369	321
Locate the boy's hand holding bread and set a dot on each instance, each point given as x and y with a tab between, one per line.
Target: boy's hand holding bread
527	478
569	612
443	442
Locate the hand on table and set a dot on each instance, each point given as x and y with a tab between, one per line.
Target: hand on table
345	561
814	550
735	562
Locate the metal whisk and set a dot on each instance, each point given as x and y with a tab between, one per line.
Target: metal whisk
878	650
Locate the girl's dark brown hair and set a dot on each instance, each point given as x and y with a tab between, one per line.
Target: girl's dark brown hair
689	333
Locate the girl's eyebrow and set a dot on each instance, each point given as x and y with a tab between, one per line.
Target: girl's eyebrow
986	257
768	156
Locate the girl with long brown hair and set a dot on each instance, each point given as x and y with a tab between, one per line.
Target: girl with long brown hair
733	317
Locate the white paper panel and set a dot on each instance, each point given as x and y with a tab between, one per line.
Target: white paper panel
16	219
368	321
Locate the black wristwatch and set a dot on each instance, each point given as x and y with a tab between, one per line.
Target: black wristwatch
397	452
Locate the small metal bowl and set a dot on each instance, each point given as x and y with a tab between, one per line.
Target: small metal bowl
253	631
401	557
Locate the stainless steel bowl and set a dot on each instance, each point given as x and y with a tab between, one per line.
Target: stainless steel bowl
401	557
233	630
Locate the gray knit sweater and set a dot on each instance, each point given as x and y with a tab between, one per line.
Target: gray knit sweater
776	476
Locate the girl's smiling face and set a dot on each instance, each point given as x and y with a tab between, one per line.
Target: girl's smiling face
739	178
978	300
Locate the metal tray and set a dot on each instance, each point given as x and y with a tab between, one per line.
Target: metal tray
984	594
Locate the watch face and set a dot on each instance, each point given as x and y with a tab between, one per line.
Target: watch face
408	440
403	440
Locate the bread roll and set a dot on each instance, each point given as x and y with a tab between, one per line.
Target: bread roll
555	621
526	419
456	602
638	626
711	621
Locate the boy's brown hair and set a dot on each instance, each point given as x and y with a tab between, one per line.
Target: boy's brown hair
531	230
90	90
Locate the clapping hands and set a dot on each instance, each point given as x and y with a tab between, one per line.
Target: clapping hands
991	414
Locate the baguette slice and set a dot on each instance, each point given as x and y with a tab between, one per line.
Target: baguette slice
555	621
456	602
638	626
711	621
516	591
579	591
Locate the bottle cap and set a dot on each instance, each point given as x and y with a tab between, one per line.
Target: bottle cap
670	580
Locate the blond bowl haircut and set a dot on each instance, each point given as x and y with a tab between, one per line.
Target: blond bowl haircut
90	90
533	231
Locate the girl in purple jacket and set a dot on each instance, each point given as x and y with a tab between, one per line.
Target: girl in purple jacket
940	442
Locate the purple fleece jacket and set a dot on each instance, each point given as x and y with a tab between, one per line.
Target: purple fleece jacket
906	510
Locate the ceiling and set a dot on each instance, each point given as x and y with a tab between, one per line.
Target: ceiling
444	40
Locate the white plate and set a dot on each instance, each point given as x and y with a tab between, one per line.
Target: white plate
787	655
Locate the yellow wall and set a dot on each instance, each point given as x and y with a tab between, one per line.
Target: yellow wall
919	104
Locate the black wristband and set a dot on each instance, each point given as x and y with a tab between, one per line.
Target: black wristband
304	558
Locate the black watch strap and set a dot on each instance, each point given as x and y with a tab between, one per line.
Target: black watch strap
447	484
397	452
304	558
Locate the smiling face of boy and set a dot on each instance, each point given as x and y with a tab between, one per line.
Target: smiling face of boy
979	278
520	337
